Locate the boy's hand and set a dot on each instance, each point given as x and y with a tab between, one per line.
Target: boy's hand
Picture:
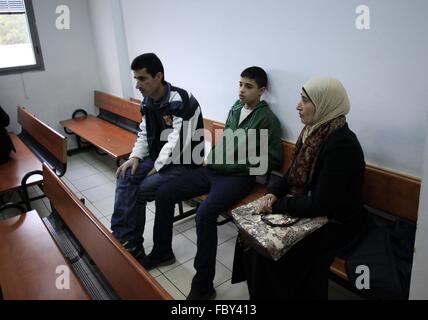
131	163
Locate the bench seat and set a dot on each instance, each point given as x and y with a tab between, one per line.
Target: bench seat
111	139
28	261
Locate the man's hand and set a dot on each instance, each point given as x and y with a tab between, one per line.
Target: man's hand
266	204
152	172
131	163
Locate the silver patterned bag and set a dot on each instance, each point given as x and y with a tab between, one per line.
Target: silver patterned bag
272	235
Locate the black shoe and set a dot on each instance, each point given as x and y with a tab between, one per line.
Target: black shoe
153	260
194	294
137	251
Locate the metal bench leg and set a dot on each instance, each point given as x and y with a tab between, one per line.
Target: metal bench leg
183	215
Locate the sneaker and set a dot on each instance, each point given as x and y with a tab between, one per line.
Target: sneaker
137	251
152	261
194	294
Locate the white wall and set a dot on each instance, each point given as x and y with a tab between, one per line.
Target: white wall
206	44
71	74
419	282
111	47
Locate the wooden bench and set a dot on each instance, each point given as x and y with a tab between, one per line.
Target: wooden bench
36	143
113	131
394	194
124	274
29	259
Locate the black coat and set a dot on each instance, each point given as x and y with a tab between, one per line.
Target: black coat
6	145
335	191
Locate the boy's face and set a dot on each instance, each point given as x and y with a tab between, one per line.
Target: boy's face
249	91
147	84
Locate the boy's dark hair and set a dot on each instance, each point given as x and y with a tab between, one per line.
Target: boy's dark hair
257	74
151	62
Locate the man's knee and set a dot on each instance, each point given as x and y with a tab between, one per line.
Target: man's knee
125	179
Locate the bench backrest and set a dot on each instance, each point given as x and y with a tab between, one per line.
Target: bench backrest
125	108
122	271
384	190
49	139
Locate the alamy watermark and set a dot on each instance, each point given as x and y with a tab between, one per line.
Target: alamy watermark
63	19
362	282
363	19
237	147
62	281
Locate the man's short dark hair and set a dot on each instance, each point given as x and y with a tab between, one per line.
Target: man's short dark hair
257	74
149	61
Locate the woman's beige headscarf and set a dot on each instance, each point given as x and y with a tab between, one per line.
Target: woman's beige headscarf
330	99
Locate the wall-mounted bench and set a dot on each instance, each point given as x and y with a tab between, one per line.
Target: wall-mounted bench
113	131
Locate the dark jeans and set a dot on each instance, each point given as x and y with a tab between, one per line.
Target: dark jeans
132	195
224	192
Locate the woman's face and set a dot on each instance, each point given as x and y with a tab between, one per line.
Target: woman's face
306	110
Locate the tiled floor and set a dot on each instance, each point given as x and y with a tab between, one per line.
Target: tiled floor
92	177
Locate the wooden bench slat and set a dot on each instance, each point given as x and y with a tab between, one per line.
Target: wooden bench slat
392	192
28	261
21	162
338	268
46	136
125	275
113	140
126	108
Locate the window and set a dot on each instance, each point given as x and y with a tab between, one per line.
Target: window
19	43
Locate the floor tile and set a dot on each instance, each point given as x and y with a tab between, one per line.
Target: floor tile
101	192
94	210
170	288
186	224
229	291
80	172
91	181
105	206
182	276
226	232
183	249
225	253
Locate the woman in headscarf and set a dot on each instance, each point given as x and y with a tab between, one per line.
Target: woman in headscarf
325	179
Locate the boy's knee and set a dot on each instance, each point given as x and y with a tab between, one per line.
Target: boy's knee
206	215
165	193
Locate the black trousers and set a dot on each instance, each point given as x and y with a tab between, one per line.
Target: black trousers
223	192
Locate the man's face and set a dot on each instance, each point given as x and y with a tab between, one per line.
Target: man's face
147	84
249	91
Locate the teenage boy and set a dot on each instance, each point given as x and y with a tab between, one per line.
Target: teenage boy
225	179
168	112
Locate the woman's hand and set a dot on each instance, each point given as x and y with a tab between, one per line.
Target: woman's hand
266	204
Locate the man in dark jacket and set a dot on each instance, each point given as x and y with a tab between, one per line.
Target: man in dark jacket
6	145
170	118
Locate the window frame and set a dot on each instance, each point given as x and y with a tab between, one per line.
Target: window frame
32	24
